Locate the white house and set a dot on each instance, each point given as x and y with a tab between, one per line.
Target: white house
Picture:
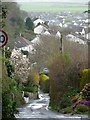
60	25
83	32
65	25
28	48
40	29
23	44
75	39
87	36
37	21
47	33
36	40
87	21
75	24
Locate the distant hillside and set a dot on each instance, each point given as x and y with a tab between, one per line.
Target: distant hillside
54	7
14	24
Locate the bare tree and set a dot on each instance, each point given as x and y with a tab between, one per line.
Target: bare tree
48	49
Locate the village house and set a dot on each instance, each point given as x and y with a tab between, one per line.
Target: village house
24	44
40	29
46	33
38	21
73	38
36	40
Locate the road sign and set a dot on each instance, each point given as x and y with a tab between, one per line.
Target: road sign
3	38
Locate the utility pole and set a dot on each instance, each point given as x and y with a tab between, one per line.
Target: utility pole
4	55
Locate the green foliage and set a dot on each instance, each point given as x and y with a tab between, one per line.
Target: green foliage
6	60
13	85
11	93
55	106
30	79
29	24
17	79
86	91
17	21
64	81
10	69
31	85
8	106
13	24
87	11
33	78
82	109
11	97
66	98
29	35
7	52
45	86
4	11
85	78
3	15
66	110
30	88
58	78
67	58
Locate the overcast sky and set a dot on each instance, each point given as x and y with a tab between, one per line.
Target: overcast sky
47	0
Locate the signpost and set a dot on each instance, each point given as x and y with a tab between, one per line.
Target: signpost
3	38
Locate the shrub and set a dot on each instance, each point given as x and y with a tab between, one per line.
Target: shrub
30	88
33	78
82	109
29	24
11	95
32	84
55	106
44	77
66	98
66	110
58	79
8	106
64	80
36	78
44	83
86	91
85	78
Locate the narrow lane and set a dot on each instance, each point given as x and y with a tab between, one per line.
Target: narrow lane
38	109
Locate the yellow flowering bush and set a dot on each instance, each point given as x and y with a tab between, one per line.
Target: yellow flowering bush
44	83
36	78
80	98
44	77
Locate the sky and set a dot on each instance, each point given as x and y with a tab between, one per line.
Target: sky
45	0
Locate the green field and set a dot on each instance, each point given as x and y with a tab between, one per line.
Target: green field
53	7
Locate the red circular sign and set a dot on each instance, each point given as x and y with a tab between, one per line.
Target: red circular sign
3	38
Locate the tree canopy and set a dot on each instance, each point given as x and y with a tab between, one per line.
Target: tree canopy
29	24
